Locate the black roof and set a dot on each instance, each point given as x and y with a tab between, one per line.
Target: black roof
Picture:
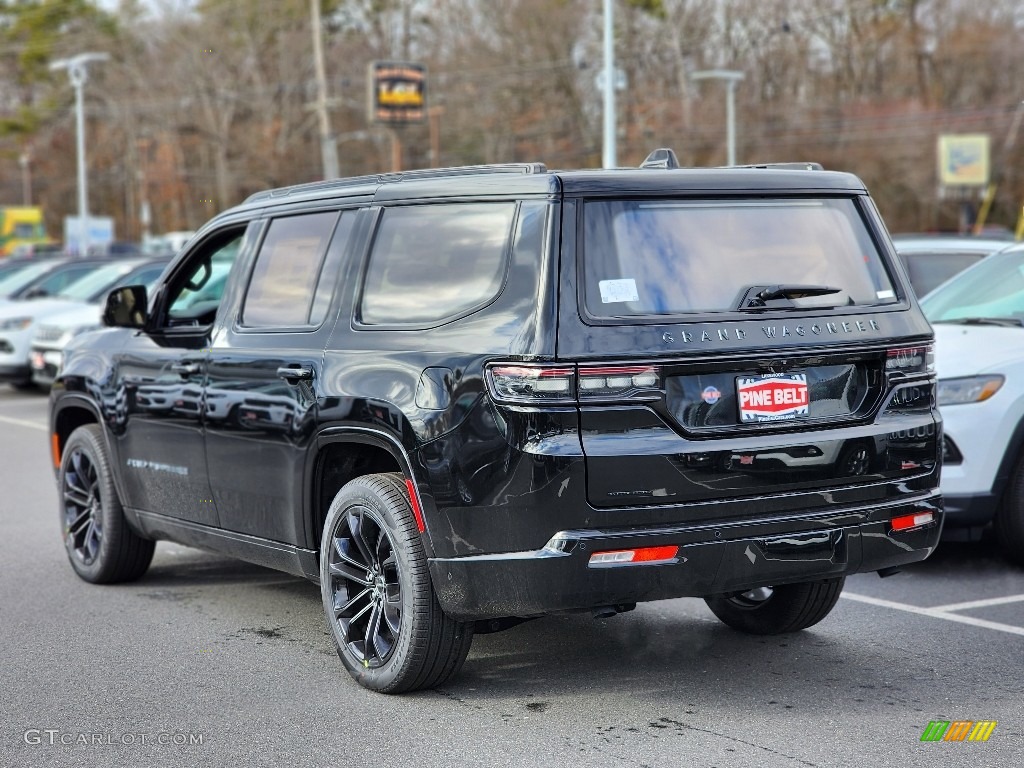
534	179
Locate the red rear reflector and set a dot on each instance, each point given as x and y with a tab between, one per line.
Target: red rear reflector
642	555
55	449
415	502
906	522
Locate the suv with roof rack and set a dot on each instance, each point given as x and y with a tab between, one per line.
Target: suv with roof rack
463	398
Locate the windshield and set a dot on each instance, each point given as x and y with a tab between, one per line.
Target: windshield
993	288
95	285
18	278
671	257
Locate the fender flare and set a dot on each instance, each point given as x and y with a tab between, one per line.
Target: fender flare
378	439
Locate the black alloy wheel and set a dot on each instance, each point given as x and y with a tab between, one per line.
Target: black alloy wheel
101	546
388	627
83	526
366	586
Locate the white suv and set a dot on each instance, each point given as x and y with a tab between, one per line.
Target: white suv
978	318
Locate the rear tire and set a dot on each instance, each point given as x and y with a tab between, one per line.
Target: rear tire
1009	519
776	610
101	546
387	625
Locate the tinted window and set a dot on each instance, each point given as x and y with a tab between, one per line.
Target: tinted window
434	262
332	266
675	257
281	289
928	271
18	278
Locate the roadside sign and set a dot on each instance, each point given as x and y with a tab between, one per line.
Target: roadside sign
964	160
397	92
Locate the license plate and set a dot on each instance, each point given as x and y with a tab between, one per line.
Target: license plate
773	397
37	361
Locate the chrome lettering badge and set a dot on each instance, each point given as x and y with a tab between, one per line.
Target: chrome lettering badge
772	397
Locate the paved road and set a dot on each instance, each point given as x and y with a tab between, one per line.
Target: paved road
230	664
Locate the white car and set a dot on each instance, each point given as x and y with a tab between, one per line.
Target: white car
978	318
19	320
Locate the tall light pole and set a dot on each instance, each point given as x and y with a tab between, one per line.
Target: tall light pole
328	143
78	74
608	159
731	77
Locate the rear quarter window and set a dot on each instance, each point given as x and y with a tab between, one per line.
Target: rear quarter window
432	263
677	257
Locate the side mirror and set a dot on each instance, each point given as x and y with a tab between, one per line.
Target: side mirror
126	307
36	293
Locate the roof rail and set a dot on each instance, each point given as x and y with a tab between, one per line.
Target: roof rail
391	178
797	166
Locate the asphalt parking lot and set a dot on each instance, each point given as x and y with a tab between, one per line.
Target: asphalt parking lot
210	661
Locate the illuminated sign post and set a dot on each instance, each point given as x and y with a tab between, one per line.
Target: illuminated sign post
397	97
398	92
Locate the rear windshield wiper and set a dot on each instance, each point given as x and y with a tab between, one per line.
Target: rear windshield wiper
758	296
1006	322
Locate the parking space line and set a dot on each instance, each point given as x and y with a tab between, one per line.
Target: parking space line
979	603
935	614
23	423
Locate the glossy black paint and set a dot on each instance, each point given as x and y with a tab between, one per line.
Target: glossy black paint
516	497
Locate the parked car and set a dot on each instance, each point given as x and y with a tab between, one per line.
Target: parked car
56	330
41	278
462	398
930	260
978	318
19	319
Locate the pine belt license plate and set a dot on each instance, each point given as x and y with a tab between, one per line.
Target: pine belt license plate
772	397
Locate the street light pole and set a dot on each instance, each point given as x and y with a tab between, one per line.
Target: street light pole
608	154
25	161
731	77
78	74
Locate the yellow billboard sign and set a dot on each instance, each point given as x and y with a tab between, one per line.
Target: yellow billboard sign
964	160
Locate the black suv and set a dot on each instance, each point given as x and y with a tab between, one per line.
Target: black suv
462	398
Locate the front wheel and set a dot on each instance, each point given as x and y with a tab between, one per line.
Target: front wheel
776	610
387	625
101	546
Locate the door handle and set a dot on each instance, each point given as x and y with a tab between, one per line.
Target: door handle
185	369
296	374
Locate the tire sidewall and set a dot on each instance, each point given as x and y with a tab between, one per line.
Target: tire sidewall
408	550
88	440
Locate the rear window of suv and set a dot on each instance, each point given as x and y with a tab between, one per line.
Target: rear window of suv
433	263
648	258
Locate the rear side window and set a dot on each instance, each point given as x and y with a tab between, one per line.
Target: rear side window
432	263
283	283
674	257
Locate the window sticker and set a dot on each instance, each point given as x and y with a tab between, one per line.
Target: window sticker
615	291
886	294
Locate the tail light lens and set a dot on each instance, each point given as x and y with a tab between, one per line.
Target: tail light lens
532	383
619	381
535	383
911	359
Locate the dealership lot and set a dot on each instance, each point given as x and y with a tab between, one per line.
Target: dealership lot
210	661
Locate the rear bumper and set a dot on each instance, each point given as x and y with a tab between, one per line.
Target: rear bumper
712	559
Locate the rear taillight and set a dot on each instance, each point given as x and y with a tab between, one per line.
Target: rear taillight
619	381
532	383
539	383
919	359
